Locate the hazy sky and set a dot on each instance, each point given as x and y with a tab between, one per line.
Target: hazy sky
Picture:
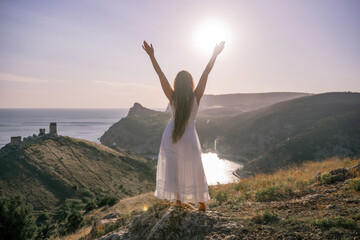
87	53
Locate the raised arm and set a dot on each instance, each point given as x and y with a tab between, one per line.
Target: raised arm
200	88
163	80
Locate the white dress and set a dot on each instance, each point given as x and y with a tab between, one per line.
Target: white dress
180	173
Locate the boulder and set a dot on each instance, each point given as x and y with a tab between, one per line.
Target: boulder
99	227
338	177
115	214
170	222
337	171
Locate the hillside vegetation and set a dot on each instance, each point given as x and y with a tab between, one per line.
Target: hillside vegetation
300	202
306	128
49	170
141	131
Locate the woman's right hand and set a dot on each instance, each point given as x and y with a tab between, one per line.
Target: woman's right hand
218	48
148	48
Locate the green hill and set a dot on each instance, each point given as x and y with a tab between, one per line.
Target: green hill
141	131
49	170
308	128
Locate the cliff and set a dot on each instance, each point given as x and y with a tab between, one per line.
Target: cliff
305	128
140	132
139	110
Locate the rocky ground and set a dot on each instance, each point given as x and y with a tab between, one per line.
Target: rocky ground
329	208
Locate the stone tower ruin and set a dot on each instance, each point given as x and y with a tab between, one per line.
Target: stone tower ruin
15	140
53	130
42	131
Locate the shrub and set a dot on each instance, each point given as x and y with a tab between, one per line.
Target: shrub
44	231
355	184
301	184
266	217
325	178
87	193
75	220
90	206
111	227
16	219
242	186
335	222
270	217
221	197
43	218
268	194
68	207
107	200
74	204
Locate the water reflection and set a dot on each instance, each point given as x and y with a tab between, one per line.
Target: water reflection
218	170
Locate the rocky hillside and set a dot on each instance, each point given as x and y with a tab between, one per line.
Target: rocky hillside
139	132
48	170
298	203
308	128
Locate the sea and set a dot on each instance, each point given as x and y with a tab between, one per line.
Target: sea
91	124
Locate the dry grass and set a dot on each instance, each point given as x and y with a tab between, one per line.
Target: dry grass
77	235
284	182
125	207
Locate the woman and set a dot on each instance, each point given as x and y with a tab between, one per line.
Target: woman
180	174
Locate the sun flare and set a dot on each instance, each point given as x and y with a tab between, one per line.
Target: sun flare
210	32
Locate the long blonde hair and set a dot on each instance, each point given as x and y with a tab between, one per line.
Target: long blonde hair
183	97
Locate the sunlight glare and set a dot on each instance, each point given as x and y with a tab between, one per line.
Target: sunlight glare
218	170
210	32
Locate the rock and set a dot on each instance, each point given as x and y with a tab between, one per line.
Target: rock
338	177
115	214
232	237
310	198
163	221
99	227
339	171
330	206
347	181
329	190
355	170
139	110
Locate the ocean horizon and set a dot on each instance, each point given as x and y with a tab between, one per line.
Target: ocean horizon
83	123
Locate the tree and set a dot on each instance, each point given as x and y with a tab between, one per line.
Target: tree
16	219
75	220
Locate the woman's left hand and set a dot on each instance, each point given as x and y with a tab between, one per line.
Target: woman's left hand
218	48
148	48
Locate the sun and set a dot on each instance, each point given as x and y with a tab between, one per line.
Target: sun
210	32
